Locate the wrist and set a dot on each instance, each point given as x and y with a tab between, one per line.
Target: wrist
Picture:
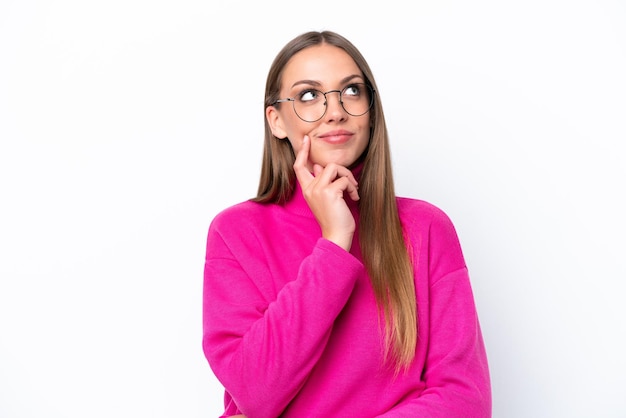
344	241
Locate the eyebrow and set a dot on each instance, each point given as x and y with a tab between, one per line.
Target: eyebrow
318	84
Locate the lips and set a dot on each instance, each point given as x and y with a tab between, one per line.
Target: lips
336	137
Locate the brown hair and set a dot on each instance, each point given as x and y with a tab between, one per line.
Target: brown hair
381	236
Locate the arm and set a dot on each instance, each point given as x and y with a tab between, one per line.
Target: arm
456	372
263	350
455	369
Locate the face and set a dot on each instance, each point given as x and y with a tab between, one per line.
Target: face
337	137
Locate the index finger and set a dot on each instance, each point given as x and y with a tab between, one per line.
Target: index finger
302	158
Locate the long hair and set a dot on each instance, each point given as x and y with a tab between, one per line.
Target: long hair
381	236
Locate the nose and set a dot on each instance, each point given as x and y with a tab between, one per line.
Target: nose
334	108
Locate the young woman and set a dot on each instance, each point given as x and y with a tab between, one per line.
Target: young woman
327	295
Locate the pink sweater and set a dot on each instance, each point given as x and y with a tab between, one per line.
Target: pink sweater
291	327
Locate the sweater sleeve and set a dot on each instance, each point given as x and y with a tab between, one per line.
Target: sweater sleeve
456	375
263	350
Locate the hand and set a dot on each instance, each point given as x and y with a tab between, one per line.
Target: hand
237	416
324	193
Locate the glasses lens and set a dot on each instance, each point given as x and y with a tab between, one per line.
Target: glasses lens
310	105
356	100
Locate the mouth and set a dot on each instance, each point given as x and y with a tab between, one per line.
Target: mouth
340	136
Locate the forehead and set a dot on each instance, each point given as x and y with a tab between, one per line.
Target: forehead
326	64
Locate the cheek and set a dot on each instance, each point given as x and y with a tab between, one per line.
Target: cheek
296	130
364	142
295	145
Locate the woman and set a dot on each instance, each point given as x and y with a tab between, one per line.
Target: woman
327	295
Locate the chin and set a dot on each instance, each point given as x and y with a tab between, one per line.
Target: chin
343	160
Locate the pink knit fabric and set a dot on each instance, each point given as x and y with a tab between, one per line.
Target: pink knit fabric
291	327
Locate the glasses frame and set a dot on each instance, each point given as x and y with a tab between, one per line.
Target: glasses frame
293	101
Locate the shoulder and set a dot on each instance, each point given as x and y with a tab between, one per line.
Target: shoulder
425	222
235	229
242	215
243	208
419	211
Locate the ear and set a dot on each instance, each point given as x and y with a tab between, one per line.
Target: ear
275	122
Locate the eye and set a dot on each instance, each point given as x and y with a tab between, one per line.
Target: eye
309	96
353	90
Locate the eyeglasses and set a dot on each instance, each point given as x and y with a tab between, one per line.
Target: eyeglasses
310	104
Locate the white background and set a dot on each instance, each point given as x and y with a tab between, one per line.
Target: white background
125	126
